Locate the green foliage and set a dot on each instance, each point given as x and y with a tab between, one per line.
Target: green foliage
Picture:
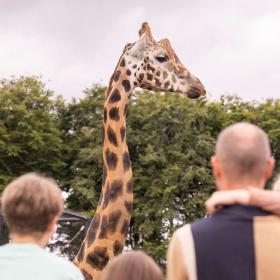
29	137
170	145
81	123
171	139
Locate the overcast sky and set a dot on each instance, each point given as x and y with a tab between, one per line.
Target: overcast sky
233	46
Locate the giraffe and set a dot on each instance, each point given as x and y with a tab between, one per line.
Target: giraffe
150	65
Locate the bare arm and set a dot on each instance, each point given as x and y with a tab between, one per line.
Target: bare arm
267	200
220	198
176	269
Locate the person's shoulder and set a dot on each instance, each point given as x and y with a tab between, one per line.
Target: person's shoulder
181	230
206	224
181	233
11	248
203	221
65	266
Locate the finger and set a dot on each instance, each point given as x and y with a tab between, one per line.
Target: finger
210	206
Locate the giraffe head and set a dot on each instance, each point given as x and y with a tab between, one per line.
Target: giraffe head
155	66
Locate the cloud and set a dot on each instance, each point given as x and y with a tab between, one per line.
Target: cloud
232	46
248	64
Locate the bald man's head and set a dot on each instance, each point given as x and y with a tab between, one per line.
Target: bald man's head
243	152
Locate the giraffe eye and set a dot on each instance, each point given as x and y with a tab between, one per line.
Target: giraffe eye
162	58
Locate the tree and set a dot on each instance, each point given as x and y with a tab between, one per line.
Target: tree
29	136
80	124
170	146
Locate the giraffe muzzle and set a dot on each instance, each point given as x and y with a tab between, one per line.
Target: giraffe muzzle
196	89
195	93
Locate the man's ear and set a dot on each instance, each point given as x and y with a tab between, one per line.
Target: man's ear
139	47
269	168
216	166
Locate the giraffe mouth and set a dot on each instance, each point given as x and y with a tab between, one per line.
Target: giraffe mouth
194	93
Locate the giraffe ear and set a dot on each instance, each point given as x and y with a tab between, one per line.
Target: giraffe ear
139	47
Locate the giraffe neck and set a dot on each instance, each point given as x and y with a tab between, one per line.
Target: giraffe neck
108	229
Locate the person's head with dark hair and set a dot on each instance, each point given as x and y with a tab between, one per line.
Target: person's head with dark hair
242	157
135	265
31	205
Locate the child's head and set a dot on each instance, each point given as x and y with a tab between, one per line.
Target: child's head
30	204
135	265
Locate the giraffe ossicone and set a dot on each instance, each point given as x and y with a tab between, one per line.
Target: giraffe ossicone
151	65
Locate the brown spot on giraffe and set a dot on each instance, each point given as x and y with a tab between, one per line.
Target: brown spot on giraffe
112	137
114	114
114	219
117	248
158	83
125	110
126	161
104	174
141	77
166	84
106	200
116	76
150	77
123	133
115	96
122	64
129	186
99	258
126	85
111	159
125	227
128	206
116	189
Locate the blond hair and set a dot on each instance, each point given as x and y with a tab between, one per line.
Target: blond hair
30	202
